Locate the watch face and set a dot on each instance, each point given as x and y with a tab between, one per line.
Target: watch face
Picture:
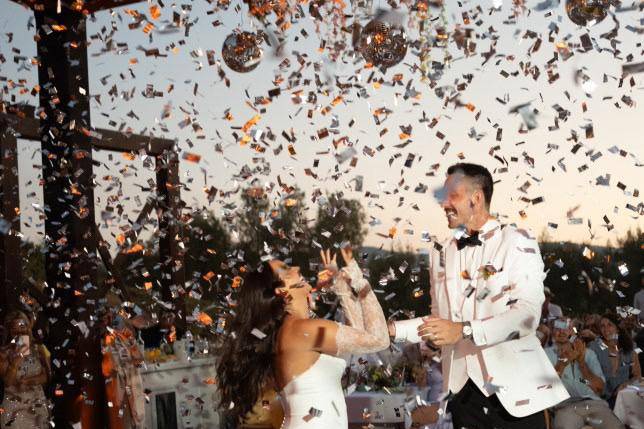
467	330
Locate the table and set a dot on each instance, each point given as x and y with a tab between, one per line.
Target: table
182	394
629	406
383	410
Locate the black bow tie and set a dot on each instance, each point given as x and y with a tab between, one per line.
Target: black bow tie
472	240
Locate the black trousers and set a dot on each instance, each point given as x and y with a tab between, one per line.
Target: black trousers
471	409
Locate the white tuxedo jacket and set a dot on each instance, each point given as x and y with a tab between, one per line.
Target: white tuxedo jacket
498	287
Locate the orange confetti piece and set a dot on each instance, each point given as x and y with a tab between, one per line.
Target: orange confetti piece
337	100
252	122
155	11
237	282
210	380
148	27
148	285
204	319
191	157
208	276
135	249
129	156
392	232
290	202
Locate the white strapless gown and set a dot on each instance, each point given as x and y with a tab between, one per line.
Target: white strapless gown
318	390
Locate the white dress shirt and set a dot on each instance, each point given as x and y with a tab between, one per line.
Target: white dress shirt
498	287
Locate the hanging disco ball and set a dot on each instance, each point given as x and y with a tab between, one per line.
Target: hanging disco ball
242	51
383	44
583	12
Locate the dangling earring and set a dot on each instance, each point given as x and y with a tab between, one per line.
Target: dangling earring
288	299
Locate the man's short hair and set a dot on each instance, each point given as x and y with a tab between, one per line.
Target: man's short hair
477	174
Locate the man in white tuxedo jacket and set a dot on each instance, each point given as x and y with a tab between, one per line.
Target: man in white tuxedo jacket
486	298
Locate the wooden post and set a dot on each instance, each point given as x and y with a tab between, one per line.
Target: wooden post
10	259
71	257
170	251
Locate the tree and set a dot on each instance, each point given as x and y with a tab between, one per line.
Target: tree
277	226
613	273
401	282
207	244
340	220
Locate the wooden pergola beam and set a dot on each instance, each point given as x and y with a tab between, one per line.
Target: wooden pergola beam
28	128
88	6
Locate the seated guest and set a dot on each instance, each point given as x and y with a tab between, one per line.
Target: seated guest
549	310
590	329
24	370
120	366
543	333
582	376
639	342
619	362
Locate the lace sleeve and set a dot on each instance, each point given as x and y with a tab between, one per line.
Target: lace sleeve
366	328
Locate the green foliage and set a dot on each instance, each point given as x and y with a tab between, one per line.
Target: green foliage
566	263
281	225
207	242
402	274
340	220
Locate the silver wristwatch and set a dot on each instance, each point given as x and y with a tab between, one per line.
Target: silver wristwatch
467	331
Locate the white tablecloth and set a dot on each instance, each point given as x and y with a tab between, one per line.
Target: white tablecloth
385	409
629	406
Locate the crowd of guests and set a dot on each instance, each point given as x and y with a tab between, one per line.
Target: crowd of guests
26	386
596	356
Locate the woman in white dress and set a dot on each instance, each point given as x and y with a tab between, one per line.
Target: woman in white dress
273	342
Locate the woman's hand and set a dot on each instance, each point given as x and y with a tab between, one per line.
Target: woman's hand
587	334
579	349
329	268
347	254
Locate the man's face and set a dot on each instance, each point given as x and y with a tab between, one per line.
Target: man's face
457	200
562	331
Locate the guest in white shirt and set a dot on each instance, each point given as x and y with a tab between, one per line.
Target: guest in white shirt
486	298
550	311
583	377
638	300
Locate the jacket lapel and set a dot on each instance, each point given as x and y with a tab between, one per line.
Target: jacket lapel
452	274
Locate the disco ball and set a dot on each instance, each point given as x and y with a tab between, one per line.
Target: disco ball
382	44
242	51
582	12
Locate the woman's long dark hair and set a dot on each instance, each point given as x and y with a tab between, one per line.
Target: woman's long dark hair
246	362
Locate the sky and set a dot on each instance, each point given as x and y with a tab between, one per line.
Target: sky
536	164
